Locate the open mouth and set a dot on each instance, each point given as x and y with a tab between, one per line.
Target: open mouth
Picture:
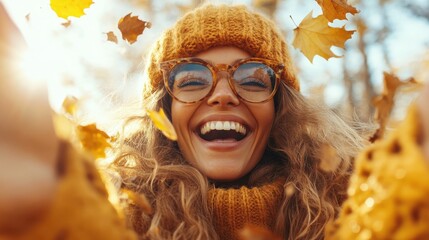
223	130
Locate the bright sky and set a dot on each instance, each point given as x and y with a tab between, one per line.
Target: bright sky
79	61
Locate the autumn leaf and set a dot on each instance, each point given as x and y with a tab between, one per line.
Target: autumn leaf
132	27
162	123
70	105
385	102
112	37
70	8
93	140
66	24
336	9
315	37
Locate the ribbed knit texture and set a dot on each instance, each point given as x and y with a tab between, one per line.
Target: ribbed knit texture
219	25
234	208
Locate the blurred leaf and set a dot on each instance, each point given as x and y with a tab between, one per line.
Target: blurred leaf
70	105
384	103
314	36
93	140
132	27
162	123
66	24
336	9
112	37
70	8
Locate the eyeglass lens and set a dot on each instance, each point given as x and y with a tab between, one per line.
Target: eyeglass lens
253	81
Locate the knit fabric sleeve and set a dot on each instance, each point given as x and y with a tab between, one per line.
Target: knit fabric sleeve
80	209
388	196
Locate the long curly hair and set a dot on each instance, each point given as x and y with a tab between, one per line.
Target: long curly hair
150	164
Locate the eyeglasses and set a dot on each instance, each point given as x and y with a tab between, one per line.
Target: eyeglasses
190	80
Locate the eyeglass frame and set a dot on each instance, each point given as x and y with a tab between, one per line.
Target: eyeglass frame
167	66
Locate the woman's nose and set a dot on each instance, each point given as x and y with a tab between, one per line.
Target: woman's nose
223	94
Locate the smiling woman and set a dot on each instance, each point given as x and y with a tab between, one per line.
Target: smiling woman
249	152
245	135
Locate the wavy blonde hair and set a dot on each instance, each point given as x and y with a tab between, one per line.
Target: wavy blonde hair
178	192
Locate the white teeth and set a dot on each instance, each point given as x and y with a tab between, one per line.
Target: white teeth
223	125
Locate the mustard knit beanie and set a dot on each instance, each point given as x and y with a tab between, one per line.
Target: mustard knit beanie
211	26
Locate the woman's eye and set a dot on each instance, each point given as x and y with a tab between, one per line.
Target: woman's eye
192	83
252	82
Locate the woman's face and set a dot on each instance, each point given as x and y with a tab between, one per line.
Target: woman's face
227	157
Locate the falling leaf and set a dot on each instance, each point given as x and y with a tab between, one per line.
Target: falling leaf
329	159
70	105
70	8
93	140
384	103
132	27
336	9
162	123
138	199
253	232
315	37
66	24
112	37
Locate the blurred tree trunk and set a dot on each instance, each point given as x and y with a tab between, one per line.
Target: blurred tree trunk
367	108
350	104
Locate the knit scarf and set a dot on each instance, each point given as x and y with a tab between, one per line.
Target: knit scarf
233	209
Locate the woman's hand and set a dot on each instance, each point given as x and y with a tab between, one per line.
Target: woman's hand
28	144
423	104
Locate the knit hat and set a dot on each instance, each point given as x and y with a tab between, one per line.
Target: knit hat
211	26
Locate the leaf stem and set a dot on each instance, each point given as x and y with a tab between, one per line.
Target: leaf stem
293	21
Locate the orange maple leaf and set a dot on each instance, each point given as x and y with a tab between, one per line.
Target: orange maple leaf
336	9
314	36
132	27
70	8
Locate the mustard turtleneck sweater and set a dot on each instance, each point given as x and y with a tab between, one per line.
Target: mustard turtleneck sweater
233	209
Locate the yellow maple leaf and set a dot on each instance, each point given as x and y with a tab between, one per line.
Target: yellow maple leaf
162	123
70	8
336	9
314	36
93	140
132	27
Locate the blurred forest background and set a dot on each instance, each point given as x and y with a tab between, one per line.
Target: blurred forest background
77	60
